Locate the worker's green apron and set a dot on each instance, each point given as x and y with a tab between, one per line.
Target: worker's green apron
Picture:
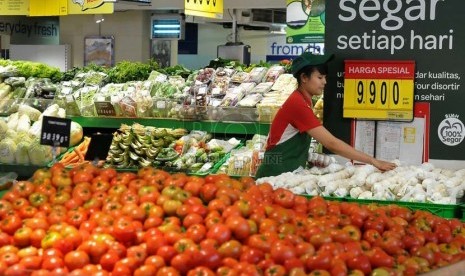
285	157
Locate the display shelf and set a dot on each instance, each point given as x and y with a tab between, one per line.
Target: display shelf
226	127
23	171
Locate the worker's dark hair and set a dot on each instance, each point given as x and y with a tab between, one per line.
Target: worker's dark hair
308	70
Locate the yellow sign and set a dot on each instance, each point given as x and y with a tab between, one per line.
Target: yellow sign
379	90
89	7
204	8
48	7
14	7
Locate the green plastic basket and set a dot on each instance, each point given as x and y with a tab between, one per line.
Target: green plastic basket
333	198
441	210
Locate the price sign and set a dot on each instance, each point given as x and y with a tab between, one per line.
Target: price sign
379	89
55	131
104	109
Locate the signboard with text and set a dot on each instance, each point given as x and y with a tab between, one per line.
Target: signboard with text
305	20
428	32
378	89
14	7
55	131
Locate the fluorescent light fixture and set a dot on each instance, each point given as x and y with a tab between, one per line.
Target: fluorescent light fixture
167	31
167	26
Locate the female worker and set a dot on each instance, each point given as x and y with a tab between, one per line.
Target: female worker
290	134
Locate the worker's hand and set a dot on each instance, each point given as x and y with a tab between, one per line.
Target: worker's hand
320	160
383	165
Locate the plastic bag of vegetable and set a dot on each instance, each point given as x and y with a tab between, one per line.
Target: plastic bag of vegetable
7	151
21	153
40	155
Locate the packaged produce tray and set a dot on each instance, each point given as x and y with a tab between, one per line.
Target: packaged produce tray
441	210
266	113
235	114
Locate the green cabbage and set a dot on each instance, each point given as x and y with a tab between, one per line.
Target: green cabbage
7	151
40	155
21	154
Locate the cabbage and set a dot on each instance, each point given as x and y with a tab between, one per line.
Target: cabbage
21	154
51	111
40	155
13	120
31	112
3	129
24	124
36	128
61	113
7	151
11	134
76	134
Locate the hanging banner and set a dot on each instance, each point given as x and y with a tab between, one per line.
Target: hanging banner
89	7
48	7
305	21
204	8
427	32
14	7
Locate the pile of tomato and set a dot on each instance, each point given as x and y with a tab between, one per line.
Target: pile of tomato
94	221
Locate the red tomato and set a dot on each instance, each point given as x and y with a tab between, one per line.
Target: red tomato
319	261
231	248
360	262
10	224
201	271
76	259
145	270
239	226
52	262
219	232
108	260
181	262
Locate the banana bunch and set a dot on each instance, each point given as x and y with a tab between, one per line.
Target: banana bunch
139	146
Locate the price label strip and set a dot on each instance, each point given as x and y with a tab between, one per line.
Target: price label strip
55	131
379	89
104	108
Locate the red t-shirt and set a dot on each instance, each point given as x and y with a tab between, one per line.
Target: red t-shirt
295	116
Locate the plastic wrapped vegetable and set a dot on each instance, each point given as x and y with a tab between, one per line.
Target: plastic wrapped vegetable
7	151
21	153
40	155
12	121
31	112
24	123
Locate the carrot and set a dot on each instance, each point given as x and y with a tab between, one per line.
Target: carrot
67	157
79	154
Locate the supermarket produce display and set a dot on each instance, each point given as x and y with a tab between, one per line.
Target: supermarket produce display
96	221
175	192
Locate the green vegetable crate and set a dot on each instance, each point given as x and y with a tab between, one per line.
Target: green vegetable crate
441	210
